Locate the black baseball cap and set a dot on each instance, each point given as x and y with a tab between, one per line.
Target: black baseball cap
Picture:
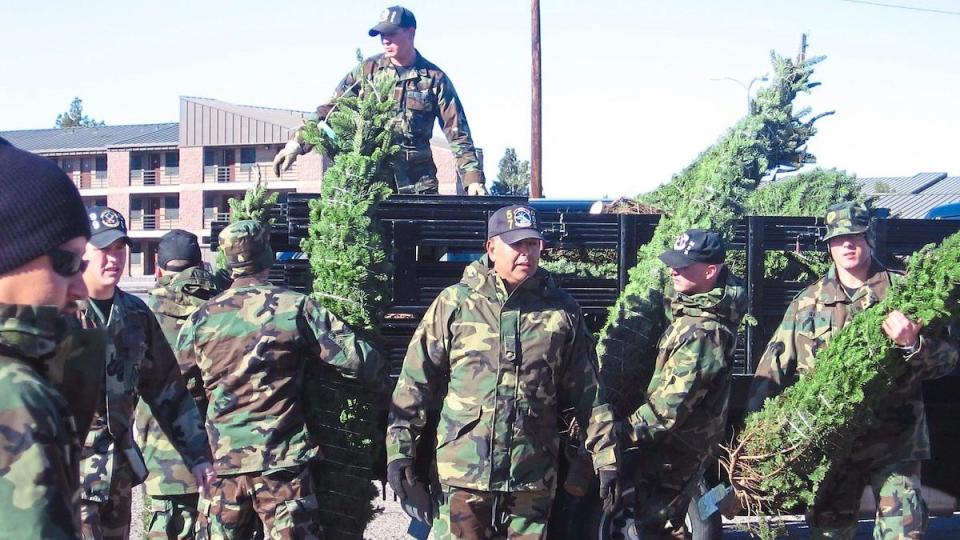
693	246
392	19
106	226
514	223
178	245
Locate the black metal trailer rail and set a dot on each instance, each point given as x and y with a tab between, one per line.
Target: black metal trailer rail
432	239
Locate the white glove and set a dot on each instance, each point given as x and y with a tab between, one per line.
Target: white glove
285	158
477	189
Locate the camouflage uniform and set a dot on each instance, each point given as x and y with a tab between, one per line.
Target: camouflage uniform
142	363
252	344
39	448
171	486
888	455
500	368
675	434
423	93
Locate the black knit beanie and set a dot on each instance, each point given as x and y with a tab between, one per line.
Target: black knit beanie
40	208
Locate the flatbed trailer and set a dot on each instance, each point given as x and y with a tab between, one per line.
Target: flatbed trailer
432	238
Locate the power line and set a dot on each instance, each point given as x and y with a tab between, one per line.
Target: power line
898	6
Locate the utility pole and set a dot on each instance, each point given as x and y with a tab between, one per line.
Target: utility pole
536	150
803	48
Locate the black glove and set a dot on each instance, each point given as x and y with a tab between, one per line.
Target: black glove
610	492
398	470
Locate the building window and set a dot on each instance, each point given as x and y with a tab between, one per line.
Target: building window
209	158
171	160
101	163
248	155
171	206
136	253
136	162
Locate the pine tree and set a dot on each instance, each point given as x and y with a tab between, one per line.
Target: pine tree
74	117
257	203
711	193
513	176
350	269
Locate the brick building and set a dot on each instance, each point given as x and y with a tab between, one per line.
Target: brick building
181	174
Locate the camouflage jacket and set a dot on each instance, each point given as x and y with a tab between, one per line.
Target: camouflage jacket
173	300
141	364
252	343
423	93
899	431
679	426
500	368
39	449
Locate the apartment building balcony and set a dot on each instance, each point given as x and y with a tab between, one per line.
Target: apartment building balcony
89	180
153	222
209	216
246	172
155	177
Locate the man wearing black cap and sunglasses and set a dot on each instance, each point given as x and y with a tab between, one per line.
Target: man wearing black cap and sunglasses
141	363
424	95
501	354
182	287
673	436
43	231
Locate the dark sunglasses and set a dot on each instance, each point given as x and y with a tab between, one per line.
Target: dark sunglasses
66	263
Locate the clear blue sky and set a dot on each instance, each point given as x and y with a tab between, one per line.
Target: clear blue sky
628	92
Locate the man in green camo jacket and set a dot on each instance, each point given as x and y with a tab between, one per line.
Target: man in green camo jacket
424	94
182	287
672	437
141	364
252	344
43	232
500	355
888	455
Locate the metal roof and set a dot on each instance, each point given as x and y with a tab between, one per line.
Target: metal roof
167	136
950	184
900	184
211	122
81	139
909	206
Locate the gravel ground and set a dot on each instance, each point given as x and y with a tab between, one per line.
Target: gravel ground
390	524
136	514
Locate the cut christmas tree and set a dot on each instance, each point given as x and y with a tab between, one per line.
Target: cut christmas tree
786	450
710	194
350	270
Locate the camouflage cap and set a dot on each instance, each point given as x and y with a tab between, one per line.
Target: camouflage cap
846	218
246	246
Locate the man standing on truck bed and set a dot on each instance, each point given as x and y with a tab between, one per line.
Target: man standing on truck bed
423	93
888	455
672	437
500	354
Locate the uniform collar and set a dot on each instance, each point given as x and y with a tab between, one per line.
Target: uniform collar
413	70
480	276
833	291
178	295
248	281
88	311
30	332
